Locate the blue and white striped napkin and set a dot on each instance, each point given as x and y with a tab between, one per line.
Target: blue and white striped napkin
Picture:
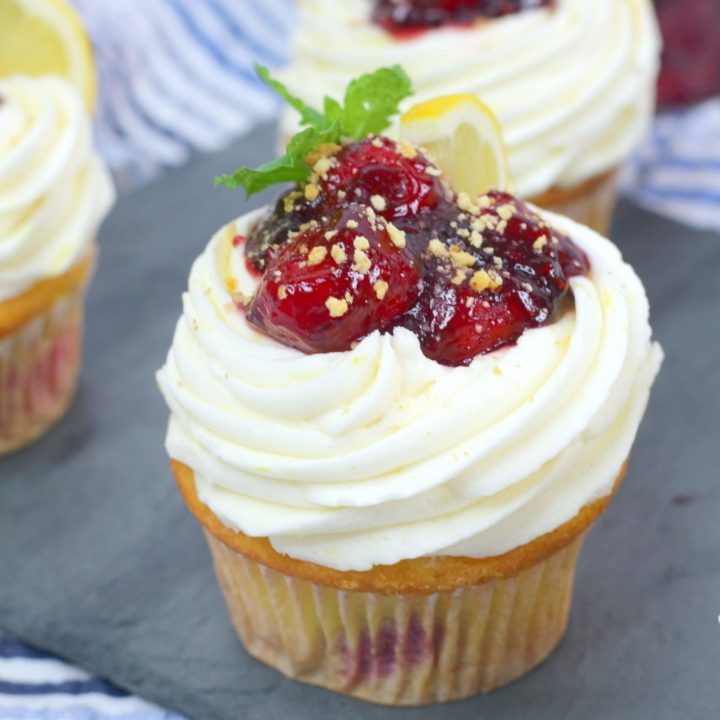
177	76
677	171
34	686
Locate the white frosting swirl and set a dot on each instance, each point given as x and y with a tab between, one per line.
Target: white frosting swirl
379	454
54	191
573	86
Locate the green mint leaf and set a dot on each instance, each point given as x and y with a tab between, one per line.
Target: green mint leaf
308	115
289	168
333	109
254	181
371	101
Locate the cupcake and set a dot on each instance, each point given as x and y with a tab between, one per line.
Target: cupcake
54	192
397	410
572	81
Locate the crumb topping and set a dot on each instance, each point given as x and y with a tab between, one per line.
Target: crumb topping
396	235
316	255
338	254
378	202
380	288
336	306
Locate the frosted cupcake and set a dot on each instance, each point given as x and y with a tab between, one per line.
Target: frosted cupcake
572	81
54	192
396	410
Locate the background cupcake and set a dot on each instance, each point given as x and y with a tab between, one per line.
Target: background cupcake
572	81
54	192
396	410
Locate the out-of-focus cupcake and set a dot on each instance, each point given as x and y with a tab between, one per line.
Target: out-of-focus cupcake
571	81
397	409
54	193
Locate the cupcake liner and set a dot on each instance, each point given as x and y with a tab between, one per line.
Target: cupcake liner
592	203
39	364
401	649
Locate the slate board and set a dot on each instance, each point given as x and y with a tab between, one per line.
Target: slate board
101	563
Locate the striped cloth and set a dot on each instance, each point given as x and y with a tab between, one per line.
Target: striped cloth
34	686
677	171
176	78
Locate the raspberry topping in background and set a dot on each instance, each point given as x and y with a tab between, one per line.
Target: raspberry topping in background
376	239
691	53
399	16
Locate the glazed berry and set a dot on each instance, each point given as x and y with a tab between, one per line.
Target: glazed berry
456	323
375	240
404	15
490	274
394	179
269	235
335	282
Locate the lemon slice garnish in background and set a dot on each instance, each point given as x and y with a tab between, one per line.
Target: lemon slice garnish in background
40	37
464	138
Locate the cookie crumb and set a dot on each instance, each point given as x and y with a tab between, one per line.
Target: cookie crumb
438	249
380	288
338	254
378	202
361	262
361	243
396	235
406	149
317	255
337	307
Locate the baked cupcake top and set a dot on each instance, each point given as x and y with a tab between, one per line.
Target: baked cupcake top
572	82
54	190
377	368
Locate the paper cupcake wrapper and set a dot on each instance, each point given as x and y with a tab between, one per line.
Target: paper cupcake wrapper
593	207
39	364
399	649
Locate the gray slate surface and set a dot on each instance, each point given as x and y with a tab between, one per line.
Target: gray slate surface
101	563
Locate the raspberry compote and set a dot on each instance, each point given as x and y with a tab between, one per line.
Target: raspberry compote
411	16
376	239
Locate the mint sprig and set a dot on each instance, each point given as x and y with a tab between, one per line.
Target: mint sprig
370	102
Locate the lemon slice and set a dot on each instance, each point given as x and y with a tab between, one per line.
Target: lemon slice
464	138
40	37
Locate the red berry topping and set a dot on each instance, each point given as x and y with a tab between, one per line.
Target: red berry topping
467	276
691	50
396	180
336	282
491	273
401	16
269	236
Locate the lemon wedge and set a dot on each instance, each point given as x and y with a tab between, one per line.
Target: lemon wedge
464	138
40	37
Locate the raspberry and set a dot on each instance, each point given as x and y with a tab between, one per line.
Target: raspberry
484	287
375	172
335	283
379	242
